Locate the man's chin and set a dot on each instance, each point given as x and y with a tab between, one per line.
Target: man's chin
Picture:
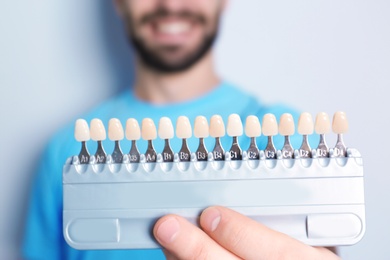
169	66
173	59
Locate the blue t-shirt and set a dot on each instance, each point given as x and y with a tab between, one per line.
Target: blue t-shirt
43	234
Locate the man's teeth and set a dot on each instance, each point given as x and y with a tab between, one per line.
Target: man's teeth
173	28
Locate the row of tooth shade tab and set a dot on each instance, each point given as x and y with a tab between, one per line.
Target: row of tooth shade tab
216	129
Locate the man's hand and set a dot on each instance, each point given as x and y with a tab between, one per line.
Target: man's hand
226	234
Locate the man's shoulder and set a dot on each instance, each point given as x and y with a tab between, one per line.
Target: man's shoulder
235	91
63	144
108	107
279	109
239	96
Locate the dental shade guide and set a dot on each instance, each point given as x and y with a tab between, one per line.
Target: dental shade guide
311	195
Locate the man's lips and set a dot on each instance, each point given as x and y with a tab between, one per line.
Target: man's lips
172	31
173	28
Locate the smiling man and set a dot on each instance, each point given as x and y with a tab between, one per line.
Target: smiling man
175	76
173	42
171	36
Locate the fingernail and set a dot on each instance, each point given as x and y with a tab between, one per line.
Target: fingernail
168	230
211	217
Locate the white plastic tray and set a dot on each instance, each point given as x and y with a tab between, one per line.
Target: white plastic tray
114	206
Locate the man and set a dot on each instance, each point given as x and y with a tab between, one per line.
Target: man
174	76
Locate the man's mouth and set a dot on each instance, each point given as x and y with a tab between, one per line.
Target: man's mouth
173	27
173	31
167	28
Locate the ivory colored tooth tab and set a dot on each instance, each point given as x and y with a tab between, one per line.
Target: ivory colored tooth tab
115	133
322	124
270	128
234	125
253	130
286	125
81	131
82	135
165	131
133	133
201	127
201	131
217	130
217	127
97	131
340	123
165	128
252	126
287	128
305	124
115	130
149	133
148	129
270	125
183	127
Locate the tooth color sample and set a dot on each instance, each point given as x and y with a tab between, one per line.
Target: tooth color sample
234	125
149	131
133	131
165	128
322	124
97	131
217	127
340	123
115	130
183	127
252	126
81	131
201	127
270	125
305	124
286	125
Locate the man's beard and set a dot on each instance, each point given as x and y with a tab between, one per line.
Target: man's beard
152	59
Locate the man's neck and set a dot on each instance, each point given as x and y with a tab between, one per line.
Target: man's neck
162	88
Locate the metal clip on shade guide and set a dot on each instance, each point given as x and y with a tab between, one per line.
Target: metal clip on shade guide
340	127
133	133
81	134
217	130
286	129
165	132
235	129
98	133
115	133
270	128
149	133
305	128
184	131
322	127
253	130
201	131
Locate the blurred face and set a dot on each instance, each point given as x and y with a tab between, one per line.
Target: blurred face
171	35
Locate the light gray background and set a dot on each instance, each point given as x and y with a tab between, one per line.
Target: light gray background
58	58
